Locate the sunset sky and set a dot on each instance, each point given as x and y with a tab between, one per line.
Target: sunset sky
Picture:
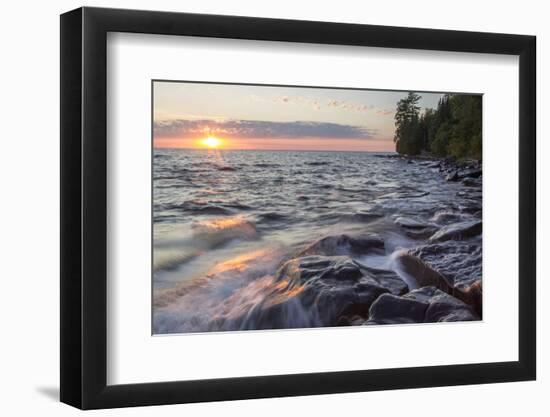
200	115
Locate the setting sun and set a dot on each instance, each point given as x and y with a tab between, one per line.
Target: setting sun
211	142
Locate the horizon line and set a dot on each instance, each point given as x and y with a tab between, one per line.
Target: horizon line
269	150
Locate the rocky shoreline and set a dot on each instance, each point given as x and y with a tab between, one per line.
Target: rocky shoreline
445	272
338	290
467	171
432	274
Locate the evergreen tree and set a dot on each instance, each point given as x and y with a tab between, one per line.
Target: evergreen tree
452	129
406	124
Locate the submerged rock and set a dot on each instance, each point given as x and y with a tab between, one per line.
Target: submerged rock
458	231
424	305
344	245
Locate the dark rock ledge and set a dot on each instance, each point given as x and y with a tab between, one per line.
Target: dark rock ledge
424	305
333	290
343	244
450	267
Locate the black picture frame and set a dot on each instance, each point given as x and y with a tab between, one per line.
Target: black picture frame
84	207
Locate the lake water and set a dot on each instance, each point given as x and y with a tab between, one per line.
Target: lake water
225	222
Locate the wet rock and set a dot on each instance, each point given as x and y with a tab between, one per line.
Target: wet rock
424	305
345	244
458	262
391	309
414	228
444	307
320	268
470	173
457	171
387	279
328	287
422	273
453	267
339	270
458	231
321	291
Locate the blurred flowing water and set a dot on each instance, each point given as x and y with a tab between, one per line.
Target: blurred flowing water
225	221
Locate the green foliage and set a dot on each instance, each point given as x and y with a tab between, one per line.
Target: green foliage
453	129
407	125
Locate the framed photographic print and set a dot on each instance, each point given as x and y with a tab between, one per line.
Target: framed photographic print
259	207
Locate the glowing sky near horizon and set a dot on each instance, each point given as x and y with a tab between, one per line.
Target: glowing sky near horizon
275	118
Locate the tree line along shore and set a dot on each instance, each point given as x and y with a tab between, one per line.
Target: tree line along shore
453	129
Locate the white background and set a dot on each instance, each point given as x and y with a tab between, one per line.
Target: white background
29	213
134	356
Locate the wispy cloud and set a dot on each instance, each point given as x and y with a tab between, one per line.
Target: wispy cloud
344	105
184	128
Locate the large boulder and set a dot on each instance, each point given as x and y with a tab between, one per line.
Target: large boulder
424	305
458	263
422	273
316	291
391	309
444	307
345	245
453	267
387	279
